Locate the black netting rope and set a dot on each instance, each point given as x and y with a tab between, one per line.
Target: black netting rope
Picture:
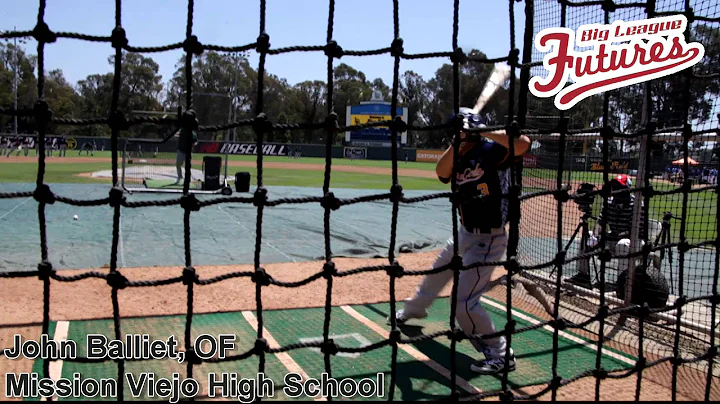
263	124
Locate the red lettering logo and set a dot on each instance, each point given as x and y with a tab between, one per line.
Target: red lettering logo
645	50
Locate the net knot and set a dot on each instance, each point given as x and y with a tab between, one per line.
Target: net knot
190	202
329	201
513	130
43	194
648	192
396	49
458	56
561	195
118	120
683	246
642	311
690	15
116	196
192	357
189	276
562	125
260	197
457	197
396	193
506	396
687	132
333	50
647	248
603	311
457	124
651	127
42	112
456	263
713	351
192	45
687	186
605	254
395	270
331	123
395	336
641	364
560	257
514	192
606	191
680	302
512	266
116	280
261	345
263	43
45	269
329	270
514	57
118	38
42	33
510	327
189	120
600	373
609	6
556	382
607	132
559	323
456	334
398	125
261	124
329	347
261	277
714	299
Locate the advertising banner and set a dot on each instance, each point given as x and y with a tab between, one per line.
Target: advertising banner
431	156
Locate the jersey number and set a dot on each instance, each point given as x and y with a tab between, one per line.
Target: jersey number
483	189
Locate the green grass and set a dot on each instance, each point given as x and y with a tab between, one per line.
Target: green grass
304	160
66	173
54	173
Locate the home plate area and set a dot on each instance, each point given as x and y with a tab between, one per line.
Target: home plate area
423	368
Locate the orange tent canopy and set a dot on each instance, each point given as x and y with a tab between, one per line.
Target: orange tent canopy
681	161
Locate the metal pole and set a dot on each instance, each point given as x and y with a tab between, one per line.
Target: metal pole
638	204
15	83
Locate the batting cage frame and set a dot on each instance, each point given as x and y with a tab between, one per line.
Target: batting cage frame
514	265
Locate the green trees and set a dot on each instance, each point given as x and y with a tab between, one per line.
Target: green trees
225	88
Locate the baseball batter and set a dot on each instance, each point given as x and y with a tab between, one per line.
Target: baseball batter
482	237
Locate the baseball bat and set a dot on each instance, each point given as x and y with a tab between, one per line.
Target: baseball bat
497	77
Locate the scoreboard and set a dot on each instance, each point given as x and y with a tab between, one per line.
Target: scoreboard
369	112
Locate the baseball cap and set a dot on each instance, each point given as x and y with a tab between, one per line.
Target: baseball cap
623	180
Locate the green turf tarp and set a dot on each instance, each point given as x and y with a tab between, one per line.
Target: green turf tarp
224	234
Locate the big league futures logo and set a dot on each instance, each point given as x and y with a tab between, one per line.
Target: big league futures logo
621	54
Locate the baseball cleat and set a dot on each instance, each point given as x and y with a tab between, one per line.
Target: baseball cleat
493	366
401	316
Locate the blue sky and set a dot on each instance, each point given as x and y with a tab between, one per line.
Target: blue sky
425	26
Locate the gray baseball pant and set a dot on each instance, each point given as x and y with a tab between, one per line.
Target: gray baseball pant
469	313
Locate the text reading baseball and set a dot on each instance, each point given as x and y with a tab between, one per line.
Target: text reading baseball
620	54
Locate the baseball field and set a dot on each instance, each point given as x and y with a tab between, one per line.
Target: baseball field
223	242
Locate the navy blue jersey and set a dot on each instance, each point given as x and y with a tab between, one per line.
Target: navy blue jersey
484	170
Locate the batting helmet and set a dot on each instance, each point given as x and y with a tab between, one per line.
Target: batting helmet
470	119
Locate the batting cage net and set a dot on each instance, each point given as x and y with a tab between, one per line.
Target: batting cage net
548	198
677	200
